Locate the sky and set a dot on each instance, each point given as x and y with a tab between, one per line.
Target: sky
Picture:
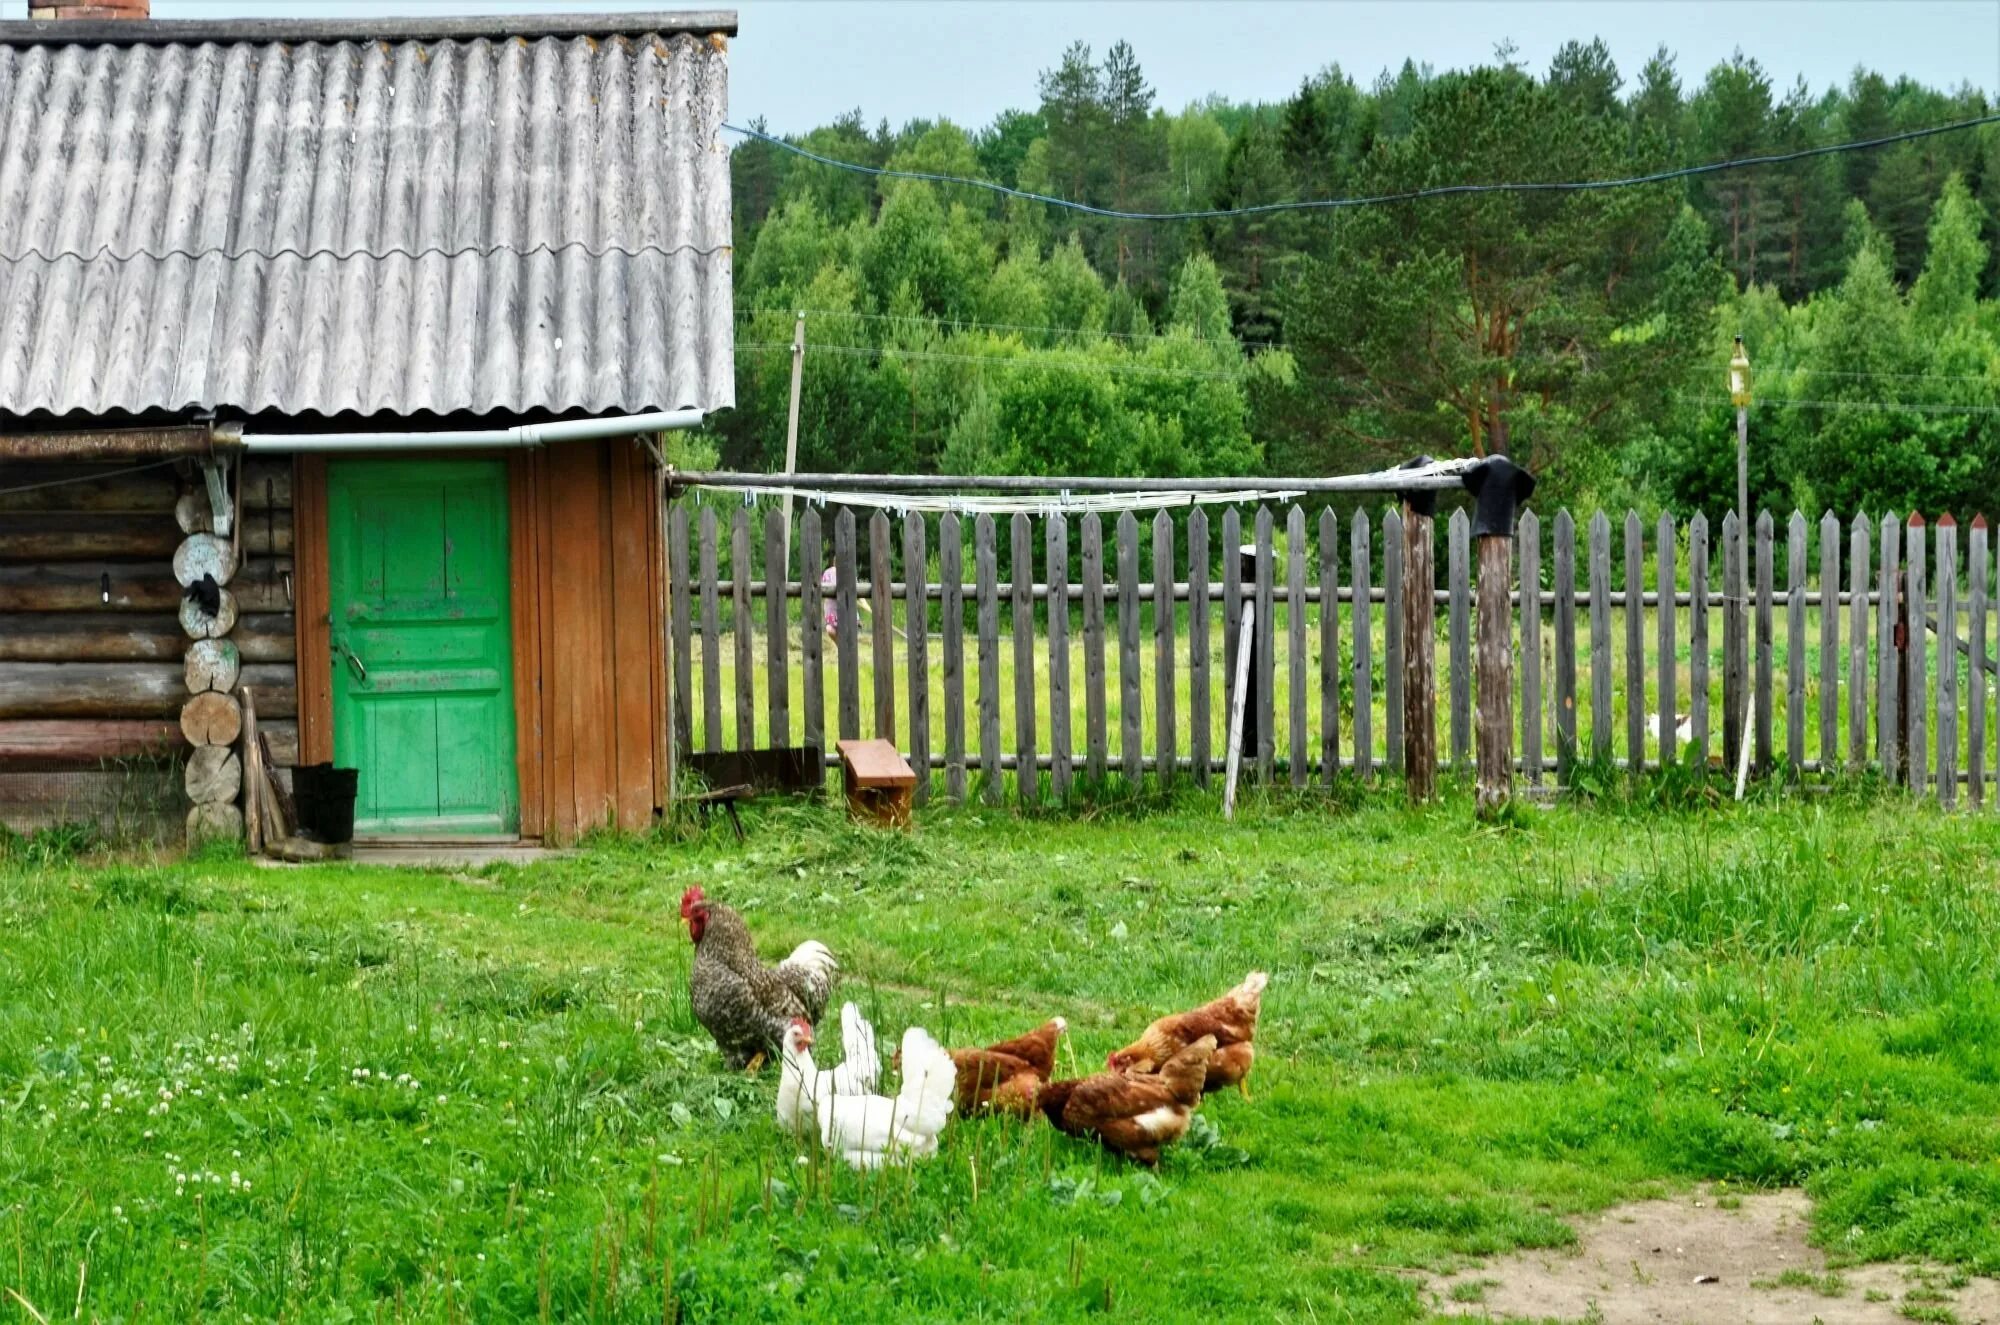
800	63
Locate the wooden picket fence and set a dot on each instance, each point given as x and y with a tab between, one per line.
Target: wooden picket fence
1095	662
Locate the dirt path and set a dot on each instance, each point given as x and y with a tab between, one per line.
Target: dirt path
1706	1260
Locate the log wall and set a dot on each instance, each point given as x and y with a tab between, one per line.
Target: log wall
94	635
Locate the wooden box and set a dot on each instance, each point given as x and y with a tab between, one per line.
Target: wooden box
881	785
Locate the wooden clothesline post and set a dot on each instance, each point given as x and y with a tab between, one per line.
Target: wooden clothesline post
1419	608
1498	487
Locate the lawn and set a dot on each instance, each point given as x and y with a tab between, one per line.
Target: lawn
336	1093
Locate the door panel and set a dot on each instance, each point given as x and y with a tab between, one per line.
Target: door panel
421	641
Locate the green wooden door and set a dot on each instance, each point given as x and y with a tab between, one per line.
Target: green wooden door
423	698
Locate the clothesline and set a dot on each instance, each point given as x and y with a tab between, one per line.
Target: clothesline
903	503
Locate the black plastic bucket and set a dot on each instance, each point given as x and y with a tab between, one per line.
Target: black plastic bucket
324	796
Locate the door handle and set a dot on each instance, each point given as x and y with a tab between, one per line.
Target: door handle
354	663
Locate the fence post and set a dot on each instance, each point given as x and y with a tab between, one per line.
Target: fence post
1419	609
1497	486
1252	736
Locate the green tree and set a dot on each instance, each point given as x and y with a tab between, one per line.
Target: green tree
1946	295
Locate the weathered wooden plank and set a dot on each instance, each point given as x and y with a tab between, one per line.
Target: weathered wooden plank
1495	736
1917	672
1857	644
1131	743
1635	643
1329	647
1096	739
1232	601
1027	777
681	577
1200	740
812	632
742	631
1458	568
1166	638
1698	668
847	624
1565	625
1668	698
917	639
882	623
1888	662
1975	663
988	591
1359	567
1829	642
777	630
1266	661
1735	628
711	637
1061	740
1528	533
1795	642
1947	668
1393	556
1763	700
1600	637
1296	749
951	620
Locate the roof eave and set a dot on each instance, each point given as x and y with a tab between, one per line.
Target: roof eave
177	31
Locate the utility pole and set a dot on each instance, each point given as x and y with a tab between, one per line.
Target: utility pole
792	446
1739	395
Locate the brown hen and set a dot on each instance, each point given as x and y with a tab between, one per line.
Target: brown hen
1004	1077
1231	1020
1133	1115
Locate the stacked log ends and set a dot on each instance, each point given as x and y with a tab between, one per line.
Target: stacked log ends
214	821
213	664
200	625
212	719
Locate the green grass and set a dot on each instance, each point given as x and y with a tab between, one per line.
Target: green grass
337	1093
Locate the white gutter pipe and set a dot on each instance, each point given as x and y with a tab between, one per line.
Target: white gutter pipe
470	439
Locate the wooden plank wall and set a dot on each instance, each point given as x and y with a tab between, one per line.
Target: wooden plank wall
92	672
1741	630
590	632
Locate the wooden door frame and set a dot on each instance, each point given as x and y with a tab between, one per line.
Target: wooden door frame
312	620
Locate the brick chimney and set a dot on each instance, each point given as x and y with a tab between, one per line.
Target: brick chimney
89	9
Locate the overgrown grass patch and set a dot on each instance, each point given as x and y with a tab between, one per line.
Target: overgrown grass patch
481	1094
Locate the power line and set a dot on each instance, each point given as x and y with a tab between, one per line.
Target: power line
950	323
998	360
96	477
1866	406
1374	200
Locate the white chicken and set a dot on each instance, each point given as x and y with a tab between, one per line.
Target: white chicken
871	1130
801	1083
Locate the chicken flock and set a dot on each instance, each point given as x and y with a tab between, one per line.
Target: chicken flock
1137	1106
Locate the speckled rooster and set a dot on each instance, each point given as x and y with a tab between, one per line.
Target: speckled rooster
743	1003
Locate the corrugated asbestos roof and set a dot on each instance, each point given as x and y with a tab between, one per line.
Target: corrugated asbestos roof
508	224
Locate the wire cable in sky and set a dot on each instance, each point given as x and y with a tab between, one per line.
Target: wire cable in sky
1373	200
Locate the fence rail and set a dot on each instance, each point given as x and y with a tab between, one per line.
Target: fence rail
1050	651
